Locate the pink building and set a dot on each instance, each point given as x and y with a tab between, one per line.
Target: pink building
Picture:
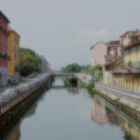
98	52
104	53
98	112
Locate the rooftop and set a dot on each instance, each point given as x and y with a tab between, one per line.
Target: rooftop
133	33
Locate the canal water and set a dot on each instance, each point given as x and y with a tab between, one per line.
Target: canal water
73	114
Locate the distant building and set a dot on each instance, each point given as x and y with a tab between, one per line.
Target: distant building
13	53
3	49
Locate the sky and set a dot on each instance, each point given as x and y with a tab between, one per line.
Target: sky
64	30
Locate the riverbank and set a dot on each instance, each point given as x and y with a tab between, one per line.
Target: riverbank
27	93
126	100
12	96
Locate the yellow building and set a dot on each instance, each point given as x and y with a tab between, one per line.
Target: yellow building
126	71
131	45
13	53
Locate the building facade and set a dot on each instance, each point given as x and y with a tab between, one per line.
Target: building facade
105	52
98	52
125	71
13	53
114	52
3	49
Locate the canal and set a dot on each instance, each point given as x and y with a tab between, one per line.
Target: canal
73	114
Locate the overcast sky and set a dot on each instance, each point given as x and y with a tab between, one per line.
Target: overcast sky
64	30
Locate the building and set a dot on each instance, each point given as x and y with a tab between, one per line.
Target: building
103	53
129	74
125	71
98	52
3	49
114	51
131	45
13	53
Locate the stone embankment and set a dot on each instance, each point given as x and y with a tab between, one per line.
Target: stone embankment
126	97
12	96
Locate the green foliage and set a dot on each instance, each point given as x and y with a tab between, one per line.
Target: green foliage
29	62
66	81
95	72
90	86
72	68
91	70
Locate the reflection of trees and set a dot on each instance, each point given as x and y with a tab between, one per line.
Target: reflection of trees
73	91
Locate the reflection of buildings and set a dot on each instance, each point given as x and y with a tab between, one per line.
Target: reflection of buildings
131	133
99	113
102	114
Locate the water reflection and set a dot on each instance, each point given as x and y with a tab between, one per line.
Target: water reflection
103	113
14	134
70	114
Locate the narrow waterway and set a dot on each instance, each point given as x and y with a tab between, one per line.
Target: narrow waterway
72	114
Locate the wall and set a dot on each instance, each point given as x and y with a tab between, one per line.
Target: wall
3	51
97	54
132	54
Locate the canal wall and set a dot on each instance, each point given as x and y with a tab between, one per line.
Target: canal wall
123	96
15	109
128	102
12	96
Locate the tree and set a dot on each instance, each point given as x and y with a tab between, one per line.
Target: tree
72	68
29	62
